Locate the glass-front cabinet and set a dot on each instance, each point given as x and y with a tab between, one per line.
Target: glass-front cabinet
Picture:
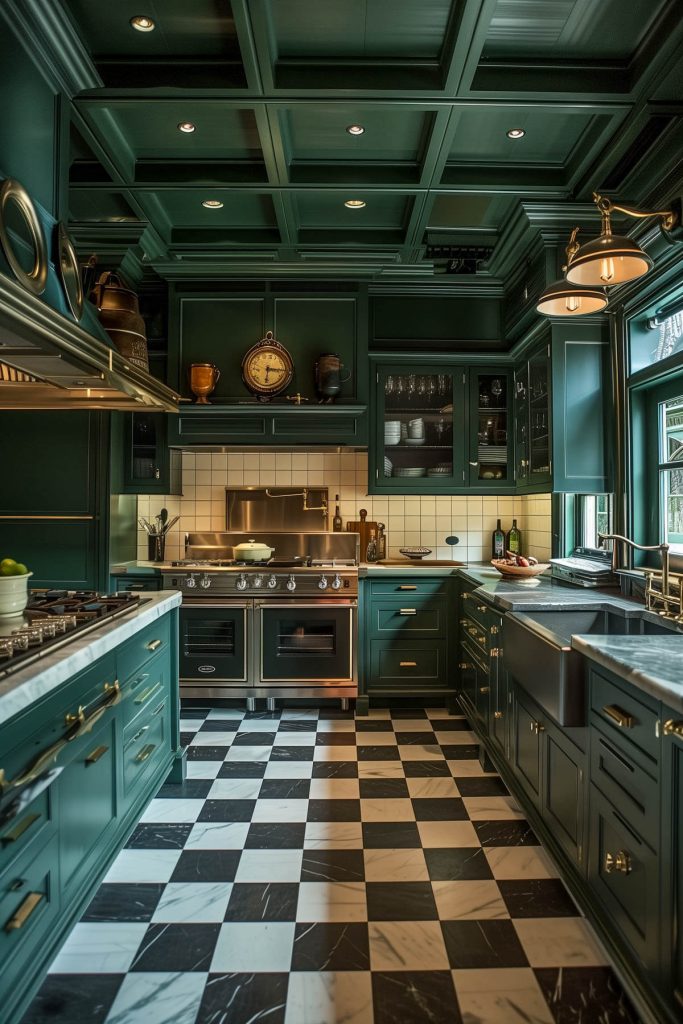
491	443
150	466
532	414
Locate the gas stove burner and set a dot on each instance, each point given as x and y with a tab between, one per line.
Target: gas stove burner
223	563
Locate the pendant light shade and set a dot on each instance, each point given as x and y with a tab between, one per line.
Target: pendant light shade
608	260
563	299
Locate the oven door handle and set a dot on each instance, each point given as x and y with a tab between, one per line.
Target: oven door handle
199	603
296	603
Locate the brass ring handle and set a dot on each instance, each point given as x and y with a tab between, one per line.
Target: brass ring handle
619	717
21	916
154	645
672	728
620	861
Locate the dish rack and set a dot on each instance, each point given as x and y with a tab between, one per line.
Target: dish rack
664	601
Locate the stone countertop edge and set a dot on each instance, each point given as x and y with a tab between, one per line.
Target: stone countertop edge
122	568
653	664
23	688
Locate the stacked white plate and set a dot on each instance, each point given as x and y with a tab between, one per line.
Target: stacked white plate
493	453
410	471
443	469
392	432
388	466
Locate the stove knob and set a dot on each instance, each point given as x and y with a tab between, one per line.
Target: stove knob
241	582
291	583
190	582
205	581
322	583
336	583
272	582
257	581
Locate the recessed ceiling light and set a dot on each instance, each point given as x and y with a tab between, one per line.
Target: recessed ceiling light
355	129
212	204
355	204
141	23
515	133
186	127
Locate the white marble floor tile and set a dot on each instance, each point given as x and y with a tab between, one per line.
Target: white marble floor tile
190	724
280	810
322	997
99	948
338	752
193	901
235	789
501	996
435	788
212	739
468	768
143	866
447	834
413	725
254	946
216	714
335	789
395	866
492	808
375	713
158	998
289	770
269	866
420	752
520	862
333	835
218	835
396	809
337	725
559	942
456	737
469	901
407	946
376	739
332	901
380	770
203	769
294	739
249	753
176	811
297	714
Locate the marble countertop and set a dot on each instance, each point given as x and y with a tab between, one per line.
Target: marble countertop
652	663
23	688
122	568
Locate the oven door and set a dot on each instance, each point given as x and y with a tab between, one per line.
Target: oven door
214	641
306	643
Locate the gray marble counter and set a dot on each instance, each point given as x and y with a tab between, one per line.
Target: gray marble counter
374	569
23	688
541	592
137	567
652	663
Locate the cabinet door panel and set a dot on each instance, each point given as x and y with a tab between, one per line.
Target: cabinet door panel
563	789
527	750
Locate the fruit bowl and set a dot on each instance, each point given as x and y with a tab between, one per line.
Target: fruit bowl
520	571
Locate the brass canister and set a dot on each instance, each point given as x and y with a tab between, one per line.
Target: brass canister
203	379
119	314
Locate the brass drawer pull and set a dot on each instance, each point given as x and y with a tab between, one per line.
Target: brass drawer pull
466	596
619	717
158	710
618	862
407	664
21	916
19	829
407	611
146	694
482	608
406	586
139	733
497	714
484	689
154	645
465	665
536	727
94	756
146	752
672	728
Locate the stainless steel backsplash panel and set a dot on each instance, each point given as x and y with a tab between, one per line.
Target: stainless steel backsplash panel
280	509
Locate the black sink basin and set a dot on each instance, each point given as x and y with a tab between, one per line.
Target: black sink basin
565	624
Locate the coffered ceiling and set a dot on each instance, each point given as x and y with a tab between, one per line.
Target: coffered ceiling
271	88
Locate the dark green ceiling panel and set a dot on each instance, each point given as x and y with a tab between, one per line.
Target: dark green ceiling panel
327	210
220	132
183	208
551	135
99	205
469	211
391	133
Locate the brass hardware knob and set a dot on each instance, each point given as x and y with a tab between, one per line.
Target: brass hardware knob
536	727
407	664
494	631
70	719
466	597
154	645
619	717
498	714
672	728
482	608
463	622
484	689
465	665
618	862
495	652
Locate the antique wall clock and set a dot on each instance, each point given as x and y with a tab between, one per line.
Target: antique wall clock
267	368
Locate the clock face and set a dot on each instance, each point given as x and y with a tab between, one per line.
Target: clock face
267	368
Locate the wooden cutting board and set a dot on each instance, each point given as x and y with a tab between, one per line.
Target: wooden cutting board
364	527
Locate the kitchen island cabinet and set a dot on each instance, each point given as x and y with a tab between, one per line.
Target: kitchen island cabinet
86	738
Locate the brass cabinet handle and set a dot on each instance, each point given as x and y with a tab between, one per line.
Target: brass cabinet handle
146	694
159	709
619	717
94	756
620	861
406	586
463	622
146	752
482	608
673	728
465	665
407	611
494	630
153	645
407	664
21	916
113	696
466	596
19	829
536	727
495	652
484	689
497	714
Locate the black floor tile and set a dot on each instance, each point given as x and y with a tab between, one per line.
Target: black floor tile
243	770
177	947
186	738
254	739
191	789
481	786
374	725
275	836
220	725
334	810
207	753
284	753
118	901
331	947
426	770
227	810
391	835
591	995
419	739
378	753
335	739
305	725
206	866
159	837
263	901
414	997
335	769
450	725
439	809
334	715
482	944
401	901
381	789
468	864
460	751
263	716
74	999
285	789
244	999
505	833
333	866
537	897
413	713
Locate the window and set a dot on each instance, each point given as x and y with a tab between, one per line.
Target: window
594	516
670	469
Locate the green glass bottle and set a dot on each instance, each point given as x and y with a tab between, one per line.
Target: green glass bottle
498	542
513	540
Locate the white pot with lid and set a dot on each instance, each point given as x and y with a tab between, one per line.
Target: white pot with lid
252	551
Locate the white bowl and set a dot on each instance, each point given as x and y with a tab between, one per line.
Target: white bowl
13	595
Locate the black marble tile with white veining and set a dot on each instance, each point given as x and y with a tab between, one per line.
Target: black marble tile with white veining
439	809
415	997
275	836
227	810
333	866
74	999
177	947
383	789
263	901
589	995
400	901
124	901
505	833
243	999
243	770
159	836
467	864
378	752
206	866
285	789
335	769
483	944
476	785
327	946
537	897
392	835
334	810
284	753
190	789
426	770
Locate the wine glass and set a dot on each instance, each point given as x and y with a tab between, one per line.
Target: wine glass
412	387
389	385
496	389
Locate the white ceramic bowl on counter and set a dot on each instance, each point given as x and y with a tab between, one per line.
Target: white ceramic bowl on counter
13	595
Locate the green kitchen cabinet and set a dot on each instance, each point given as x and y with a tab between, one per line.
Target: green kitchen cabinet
526	746
150	466
269	424
491	441
533	421
672	856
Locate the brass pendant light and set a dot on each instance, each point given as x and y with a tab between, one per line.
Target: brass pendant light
564	299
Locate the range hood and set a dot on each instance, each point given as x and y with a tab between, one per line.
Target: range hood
62	366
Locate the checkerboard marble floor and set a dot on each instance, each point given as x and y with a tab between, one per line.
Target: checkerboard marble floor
319	869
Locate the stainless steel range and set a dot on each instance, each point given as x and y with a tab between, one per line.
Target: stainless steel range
285	627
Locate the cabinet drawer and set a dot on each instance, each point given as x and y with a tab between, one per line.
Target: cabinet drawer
475	634
628	721
143	689
624	874
474	608
145	743
133	584
418	618
412	666
31	821
144	645
29	903
633	792
412	585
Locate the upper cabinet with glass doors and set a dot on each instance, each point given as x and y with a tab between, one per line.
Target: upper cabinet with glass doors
491	441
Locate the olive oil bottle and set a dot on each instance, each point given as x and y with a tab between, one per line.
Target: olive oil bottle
513	539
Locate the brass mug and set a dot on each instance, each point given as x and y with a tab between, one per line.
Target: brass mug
203	379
